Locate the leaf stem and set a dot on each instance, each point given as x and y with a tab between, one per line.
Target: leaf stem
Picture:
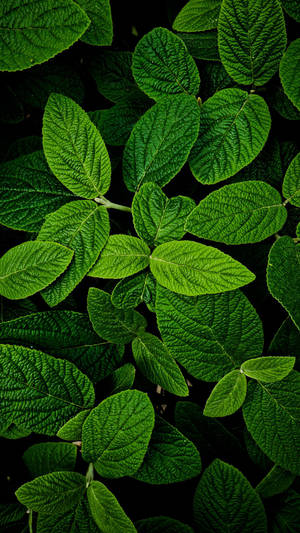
90	474
30	516
111	205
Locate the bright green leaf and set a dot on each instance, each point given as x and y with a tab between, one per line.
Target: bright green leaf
268	369
198	15
100	31
72	429
132	291
78	519
227	396
291	182
46	457
290	74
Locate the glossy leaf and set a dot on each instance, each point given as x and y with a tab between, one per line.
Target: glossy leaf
268	369
227	396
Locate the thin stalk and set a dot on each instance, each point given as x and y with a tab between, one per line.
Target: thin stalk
30	521
111	205
90	474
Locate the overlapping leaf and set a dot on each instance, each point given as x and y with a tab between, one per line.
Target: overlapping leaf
289	72
227	396
291	182
46	457
198	15
162	524
268	369
100	30
132	291
106	510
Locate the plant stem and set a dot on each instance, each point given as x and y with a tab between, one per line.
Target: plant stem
90	474
111	205
30	515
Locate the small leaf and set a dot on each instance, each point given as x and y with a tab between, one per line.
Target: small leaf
72	429
275	482
132	291
116	434
47	457
74	148
31	266
268	369
100	31
162	524
198	15
122	256
291	182
157	365
12	514
114	325
162	65
289	72
122	378
203	45
227	396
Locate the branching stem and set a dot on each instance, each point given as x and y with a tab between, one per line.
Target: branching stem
111	205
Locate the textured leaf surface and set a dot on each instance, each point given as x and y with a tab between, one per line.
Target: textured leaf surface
74	148
268	369
82	226
275	482
162	65
78	519
252	39
286	340
283	276
209	335
122	378
290	73
11	514
55	493
72	429
292	8
162	524
116	434
198	15
123	255
100	30
291	182
227	396
202	45
192	268
31	266
157	365
240	213
29	182
39	391
170	458
48	457
287	518
234	127
106	510
224	499
158	219
24	26
272	416
161	141
111	323
132	291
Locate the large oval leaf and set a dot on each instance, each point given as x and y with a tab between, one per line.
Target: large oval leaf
227	396
198	15
290	74
106	510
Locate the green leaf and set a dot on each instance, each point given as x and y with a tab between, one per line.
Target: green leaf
24	26
162	65
198	15
224	499
286	340
158	219
66	334
116	434
161	141
157	365
39	391
28	182
121	379
122	256
55	493
48	457
72	429
14	432
112	324
100	31
78	519
106	510
240	213
275	482
193	268
271	414
132	291
252	39
283	276
268	369
282	104
214	78
234	127
31	266
209	335
292	8
11	514
291	182
203	45
287	518
227	396
289	72
82	226
257	456
162	524
170	458
74	148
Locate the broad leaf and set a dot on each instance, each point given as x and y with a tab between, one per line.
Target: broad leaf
291	182
41	392
193	268
162	65
286	519
31	266
74	148
227	396
158	219
209	335
78	519
268	369
240	213
170	458
162	524
132	291
198	15
155	362
24	26
283	276
111	323
286	340
289	72
122	256
47	457
82	226
106	510
275	482
28	181
272	416
203	45
224	499
252	39
161	141
72	429
12	514
100	31
292	8
116	434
